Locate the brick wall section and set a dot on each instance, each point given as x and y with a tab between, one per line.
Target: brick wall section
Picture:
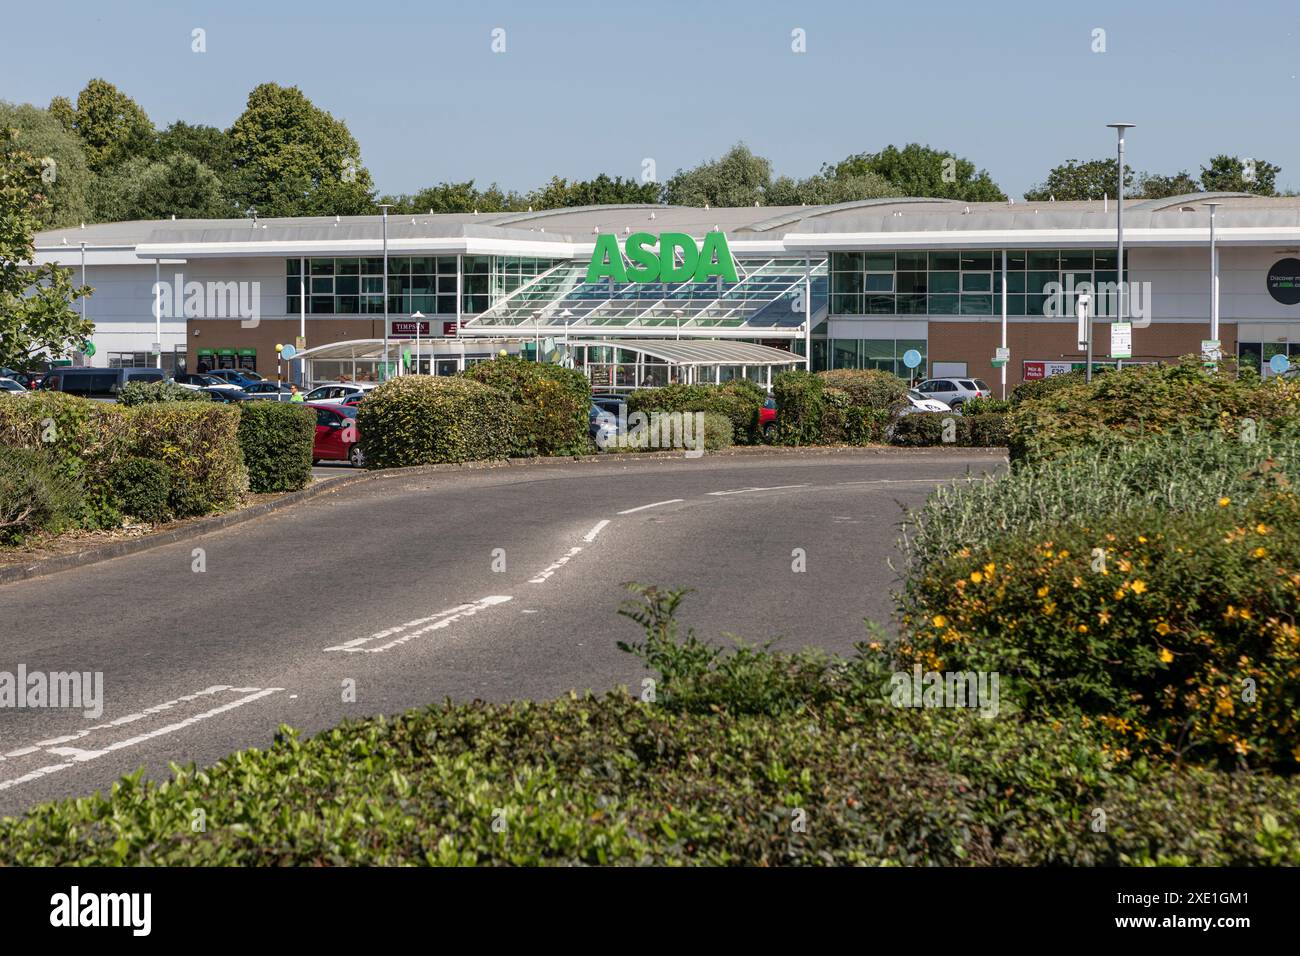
976	342
226	333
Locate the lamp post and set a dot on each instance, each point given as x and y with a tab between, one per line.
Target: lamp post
418	317
1214	277
1119	236
385	207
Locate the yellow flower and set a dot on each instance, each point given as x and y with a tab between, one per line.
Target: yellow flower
1166	655
1142	539
940	621
1163	628
1049	607
1139	587
1042	592
1083	628
976	577
1119	595
1104	617
1223	705
1225	501
1259	552
989	569
1261	528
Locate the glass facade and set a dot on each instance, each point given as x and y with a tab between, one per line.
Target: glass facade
884	354
958	282
1256	355
355	285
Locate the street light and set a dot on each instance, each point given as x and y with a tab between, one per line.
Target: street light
385	207
1119	240
1214	278
418	317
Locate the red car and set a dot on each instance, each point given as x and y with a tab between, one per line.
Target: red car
767	418
336	435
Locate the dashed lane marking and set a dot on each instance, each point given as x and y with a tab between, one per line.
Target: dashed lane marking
420	626
670	501
741	491
590	536
546	572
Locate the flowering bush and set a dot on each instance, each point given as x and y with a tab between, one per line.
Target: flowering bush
1175	633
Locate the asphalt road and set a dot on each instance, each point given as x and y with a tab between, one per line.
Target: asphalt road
390	584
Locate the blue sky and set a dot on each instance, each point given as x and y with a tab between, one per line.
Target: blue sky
587	87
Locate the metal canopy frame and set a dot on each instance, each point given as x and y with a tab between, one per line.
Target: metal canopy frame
560	300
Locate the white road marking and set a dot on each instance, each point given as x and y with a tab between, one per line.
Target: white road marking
670	501
547	572
421	626
741	491
590	536
75	755
897	481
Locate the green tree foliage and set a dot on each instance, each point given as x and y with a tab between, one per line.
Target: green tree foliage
295	159
112	126
178	185
1156	186
66	178
601	191
739	178
1232	174
917	170
821	189
1080	180
35	301
207	144
456	197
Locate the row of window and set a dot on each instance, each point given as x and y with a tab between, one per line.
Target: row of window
355	286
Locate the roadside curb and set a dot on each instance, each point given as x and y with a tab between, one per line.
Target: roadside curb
106	552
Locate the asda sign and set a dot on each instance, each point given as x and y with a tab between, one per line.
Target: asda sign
654	258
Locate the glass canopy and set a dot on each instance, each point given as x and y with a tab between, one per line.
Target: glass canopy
766	301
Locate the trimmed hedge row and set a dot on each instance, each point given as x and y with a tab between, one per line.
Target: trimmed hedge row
924	429
739	400
551	404
843	406
426	419
276	439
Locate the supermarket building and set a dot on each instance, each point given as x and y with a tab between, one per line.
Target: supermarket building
858	285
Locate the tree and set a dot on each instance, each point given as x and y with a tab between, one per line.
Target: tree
739	178
36	311
179	186
1080	180
822	190
1231	174
112	126
207	144
64	173
917	170
1156	186
601	191
455	197
293	159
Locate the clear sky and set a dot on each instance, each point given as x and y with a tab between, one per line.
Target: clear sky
587	86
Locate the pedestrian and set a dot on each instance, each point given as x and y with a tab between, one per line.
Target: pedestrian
295	395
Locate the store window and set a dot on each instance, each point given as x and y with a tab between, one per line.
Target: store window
883	354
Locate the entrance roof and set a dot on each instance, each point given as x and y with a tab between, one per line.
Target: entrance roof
703	351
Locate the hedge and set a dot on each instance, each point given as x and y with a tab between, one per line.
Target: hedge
853	406
136	392
739	400
199	444
1148	400
276	439
733	749
141	488
35	495
551	404
924	429
426	419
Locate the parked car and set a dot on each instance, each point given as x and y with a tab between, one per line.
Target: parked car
269	391
336	435
920	402
353	400
28	380
9	385
602	426
333	391
101	383
236	376
767	418
202	380
224	393
954	391
609	403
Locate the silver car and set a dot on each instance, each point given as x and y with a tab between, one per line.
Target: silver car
954	392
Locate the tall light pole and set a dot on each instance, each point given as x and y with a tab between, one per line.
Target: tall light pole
385	207
1214	277
1119	235
418	317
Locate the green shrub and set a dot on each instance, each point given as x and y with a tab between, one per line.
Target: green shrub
1043	387
799	402
710	773
141	487
1147	400
985	406
739	400
552	404
199	444
425	419
276	439
925	429
137	392
719	431
869	388
62	425
35	495
1174	632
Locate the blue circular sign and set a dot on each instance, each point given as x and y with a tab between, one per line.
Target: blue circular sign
911	358
288	352
1279	364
